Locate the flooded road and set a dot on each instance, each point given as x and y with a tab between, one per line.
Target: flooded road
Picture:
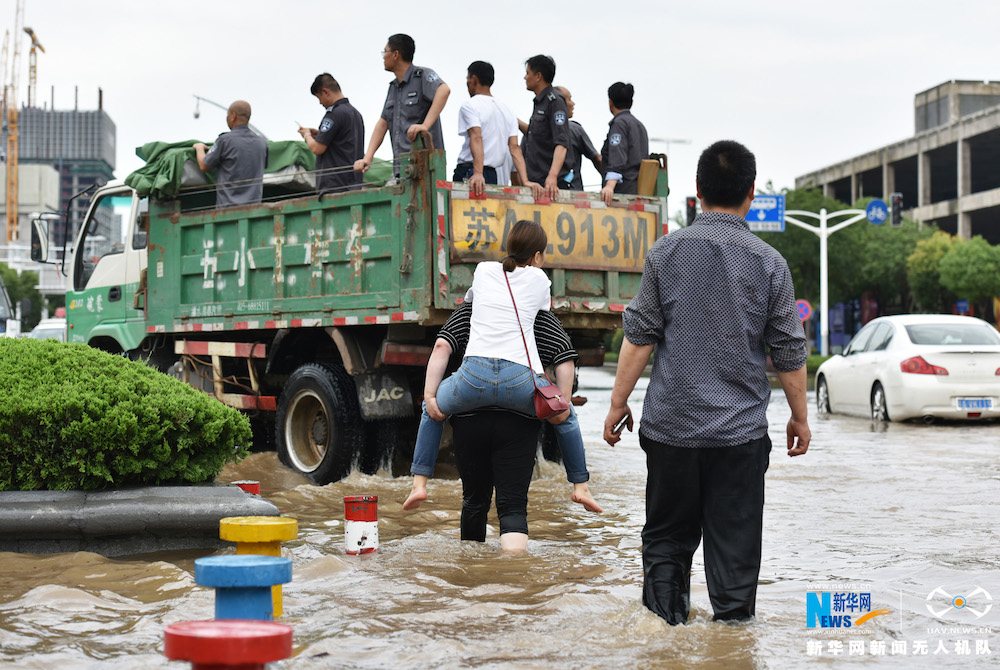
895	512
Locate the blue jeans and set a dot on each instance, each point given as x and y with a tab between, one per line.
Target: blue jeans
494	382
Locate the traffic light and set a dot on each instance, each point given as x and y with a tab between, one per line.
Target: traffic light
896	199
692	209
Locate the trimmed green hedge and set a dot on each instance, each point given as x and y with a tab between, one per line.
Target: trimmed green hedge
814	361
73	417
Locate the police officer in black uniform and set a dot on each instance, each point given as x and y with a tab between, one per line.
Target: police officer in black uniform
547	141
339	139
413	104
626	146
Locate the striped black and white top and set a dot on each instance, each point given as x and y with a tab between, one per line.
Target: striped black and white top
554	345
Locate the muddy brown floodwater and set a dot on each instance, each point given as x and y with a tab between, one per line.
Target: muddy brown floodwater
904	512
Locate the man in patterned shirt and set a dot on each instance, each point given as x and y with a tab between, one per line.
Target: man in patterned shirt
713	299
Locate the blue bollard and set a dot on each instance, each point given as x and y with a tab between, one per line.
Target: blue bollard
243	583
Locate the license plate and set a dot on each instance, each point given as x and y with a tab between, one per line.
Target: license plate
974	403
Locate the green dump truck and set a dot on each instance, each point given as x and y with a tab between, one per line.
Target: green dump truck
317	314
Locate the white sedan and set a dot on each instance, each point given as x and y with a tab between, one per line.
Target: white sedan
915	365
49	329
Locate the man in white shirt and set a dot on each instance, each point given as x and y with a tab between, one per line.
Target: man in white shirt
490	130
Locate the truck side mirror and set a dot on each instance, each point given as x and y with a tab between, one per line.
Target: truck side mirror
40	224
39	240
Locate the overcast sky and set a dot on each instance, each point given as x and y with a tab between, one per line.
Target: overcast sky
803	84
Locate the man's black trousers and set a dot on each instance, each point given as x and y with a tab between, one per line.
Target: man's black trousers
717	492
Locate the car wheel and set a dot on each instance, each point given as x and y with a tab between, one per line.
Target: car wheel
319	428
880	410
822	397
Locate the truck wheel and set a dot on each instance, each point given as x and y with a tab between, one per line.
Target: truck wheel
318	423
548	443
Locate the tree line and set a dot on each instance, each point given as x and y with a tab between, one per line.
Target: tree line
909	268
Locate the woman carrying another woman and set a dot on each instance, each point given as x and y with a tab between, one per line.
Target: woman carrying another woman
496	371
496	449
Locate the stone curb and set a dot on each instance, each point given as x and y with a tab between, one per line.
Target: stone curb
122	522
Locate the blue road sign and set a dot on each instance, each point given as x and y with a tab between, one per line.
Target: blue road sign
767	214
877	212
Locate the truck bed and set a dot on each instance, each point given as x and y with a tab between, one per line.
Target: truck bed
396	254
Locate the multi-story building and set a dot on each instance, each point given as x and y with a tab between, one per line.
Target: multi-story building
38	191
948	172
79	144
61	152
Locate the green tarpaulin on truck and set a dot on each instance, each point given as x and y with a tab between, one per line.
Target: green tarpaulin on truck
171	166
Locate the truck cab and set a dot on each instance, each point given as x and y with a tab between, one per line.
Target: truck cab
108	259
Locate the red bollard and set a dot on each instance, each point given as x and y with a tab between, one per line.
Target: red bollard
227	645
360	524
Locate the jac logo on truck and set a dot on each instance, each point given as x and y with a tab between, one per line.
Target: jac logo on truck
384	395
395	393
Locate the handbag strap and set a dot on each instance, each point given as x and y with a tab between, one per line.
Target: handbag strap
520	327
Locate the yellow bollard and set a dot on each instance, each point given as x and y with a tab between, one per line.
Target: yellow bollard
262	536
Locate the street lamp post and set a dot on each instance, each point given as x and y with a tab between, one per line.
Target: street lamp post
197	112
824	231
667	141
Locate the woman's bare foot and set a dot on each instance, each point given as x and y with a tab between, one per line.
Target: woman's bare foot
416	497
418	494
581	495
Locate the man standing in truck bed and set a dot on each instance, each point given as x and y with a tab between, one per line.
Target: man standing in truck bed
413	104
238	158
547	140
580	145
338	140
490	132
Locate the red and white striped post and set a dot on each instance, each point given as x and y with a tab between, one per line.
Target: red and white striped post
360	524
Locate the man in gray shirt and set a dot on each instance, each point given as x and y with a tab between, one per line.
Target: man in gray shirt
713	300
413	104
238	158
581	146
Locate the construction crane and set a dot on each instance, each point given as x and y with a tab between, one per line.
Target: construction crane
10	99
33	64
3	66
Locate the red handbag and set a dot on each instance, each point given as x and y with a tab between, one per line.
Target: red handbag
548	399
